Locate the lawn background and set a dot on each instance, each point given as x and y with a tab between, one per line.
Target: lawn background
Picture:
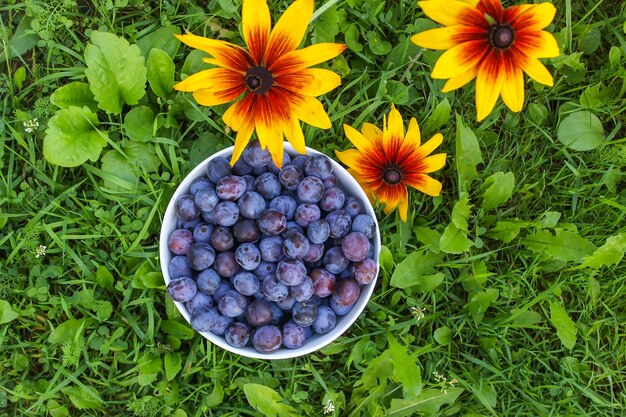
504	296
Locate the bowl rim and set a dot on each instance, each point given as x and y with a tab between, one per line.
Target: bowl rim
316	342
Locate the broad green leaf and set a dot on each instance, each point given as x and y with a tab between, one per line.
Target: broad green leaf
163	38
19	76
377	44
216	397
467	153
103	309
72	138
327	25
428	403
454	240
581	131
611	253
7	313
480	302
396	92
590	40
142	156
138	123
378	372
83	397
506	231
119	175
178	330
267	401
56	410
498	189
160	73
173	364
443	335
439	117
194	63
565	327
405	370
75	94
351	37
22	40
537	113
549	219
67	330
104	278
461	213
615	56
116	71
429	237
564	246
416	269
385	258
149	365
526	318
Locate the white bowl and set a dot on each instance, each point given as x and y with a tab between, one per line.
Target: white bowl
314	343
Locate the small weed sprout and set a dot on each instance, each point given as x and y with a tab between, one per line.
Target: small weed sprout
329	407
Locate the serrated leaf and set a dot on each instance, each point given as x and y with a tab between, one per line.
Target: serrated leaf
267	401
173	364
506	231
581	131
428	403
443	335
405	370
429	237
468	154
564	246
611	253
377	373
116	71
498	189
160	73
72	138
461	213
480	302
75	94
414	269
565	327
454	240
7	314
138	123
163	38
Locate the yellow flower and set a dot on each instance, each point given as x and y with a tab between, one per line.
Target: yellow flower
385	162
493	45
276	85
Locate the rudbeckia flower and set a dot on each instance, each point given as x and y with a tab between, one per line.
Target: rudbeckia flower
273	79
385	162
493	45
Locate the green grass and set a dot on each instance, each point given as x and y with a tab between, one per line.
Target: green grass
87	328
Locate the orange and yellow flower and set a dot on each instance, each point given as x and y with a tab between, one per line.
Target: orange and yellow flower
273	79
385	162
493	45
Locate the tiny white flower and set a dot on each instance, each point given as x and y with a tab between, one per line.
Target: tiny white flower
40	251
329	407
418	313
31	125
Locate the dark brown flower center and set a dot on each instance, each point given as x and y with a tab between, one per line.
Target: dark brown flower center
392	174
259	80
501	36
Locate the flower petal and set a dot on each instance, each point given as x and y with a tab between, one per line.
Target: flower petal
242	139
392	196
311	111
289	30
539	44
460	59
240	112
431	145
256	24
208	97
534	16
433	163
513	89
214	79
413	136
488	85
395	128
364	185
371	132
427	185
403	208
537	71
350	158
293	133
226	54
449	12
305	57
440	38
361	142
460	80
310	81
